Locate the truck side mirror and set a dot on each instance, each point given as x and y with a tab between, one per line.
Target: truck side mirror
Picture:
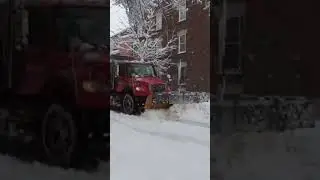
169	77
116	73
25	27
21	28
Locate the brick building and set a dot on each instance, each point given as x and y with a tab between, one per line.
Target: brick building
268	47
190	24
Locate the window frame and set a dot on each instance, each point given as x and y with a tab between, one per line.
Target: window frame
180	35
158	21
182	64
122	68
159	43
182	11
225	41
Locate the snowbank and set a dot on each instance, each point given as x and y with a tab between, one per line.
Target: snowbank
169	144
268	156
192	113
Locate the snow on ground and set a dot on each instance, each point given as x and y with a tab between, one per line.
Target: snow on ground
169	144
164	145
11	169
174	145
264	156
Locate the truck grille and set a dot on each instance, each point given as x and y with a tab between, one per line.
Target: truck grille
158	88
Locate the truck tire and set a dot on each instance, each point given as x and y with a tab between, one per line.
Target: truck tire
128	104
58	136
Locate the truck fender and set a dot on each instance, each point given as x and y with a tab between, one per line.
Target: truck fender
121	87
58	88
127	89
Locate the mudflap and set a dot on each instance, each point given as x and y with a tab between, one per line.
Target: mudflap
99	147
96	125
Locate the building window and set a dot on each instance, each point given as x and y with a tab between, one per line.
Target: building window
159	43
182	41
232	56
158	21
140	30
25	26
182	10
182	73
231	59
233	29
122	70
134	48
231	32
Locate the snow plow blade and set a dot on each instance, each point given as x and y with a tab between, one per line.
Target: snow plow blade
166	100
152	103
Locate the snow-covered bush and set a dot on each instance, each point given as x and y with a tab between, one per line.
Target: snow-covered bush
277	113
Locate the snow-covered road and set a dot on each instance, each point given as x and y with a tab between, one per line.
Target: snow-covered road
164	145
175	145
161	145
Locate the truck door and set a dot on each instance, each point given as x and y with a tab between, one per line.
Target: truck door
114	74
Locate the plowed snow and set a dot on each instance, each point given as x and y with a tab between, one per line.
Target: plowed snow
169	144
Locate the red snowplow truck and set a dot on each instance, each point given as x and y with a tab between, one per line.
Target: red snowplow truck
136	86
54	76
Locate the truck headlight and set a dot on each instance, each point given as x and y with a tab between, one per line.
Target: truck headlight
139	86
92	57
93	86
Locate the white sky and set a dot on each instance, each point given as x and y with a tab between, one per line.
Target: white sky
118	19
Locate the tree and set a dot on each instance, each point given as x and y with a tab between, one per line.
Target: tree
146	44
144	41
135	8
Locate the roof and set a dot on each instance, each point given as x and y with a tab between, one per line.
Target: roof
120	57
122	33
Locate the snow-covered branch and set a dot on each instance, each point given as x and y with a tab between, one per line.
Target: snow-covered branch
146	43
136	8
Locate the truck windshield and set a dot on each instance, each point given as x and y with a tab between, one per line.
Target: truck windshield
141	70
86	24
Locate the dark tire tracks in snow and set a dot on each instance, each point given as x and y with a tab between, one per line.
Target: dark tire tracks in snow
192	123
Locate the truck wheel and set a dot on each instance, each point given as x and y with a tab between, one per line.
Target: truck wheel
128	104
59	136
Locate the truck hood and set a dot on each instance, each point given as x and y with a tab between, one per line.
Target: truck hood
150	80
